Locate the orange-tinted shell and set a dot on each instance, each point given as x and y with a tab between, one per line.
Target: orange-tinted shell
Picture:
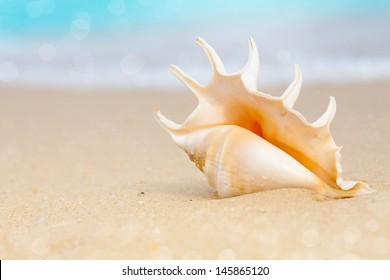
232	115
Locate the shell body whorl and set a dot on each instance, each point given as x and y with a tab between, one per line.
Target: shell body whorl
246	141
237	161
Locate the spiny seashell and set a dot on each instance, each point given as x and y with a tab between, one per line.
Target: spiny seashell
246	141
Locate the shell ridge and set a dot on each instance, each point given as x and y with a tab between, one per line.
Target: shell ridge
214	162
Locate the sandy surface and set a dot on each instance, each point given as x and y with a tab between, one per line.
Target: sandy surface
86	175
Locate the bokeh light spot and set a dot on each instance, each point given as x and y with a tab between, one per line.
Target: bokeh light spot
80	28
37	8
33	9
47	52
163	253
351	235
84	15
132	64
47	6
227	254
117	7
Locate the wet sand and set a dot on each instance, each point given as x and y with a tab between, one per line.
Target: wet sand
86	174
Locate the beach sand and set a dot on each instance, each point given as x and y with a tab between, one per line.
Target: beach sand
89	174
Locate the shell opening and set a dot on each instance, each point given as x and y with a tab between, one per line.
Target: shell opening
256	128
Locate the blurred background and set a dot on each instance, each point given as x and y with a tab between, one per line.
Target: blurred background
130	43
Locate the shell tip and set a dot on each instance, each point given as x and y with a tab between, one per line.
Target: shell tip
174	70
200	41
356	188
291	94
156	113
297	68
326	119
216	62
251	41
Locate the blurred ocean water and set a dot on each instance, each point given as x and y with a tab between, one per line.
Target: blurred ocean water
118	43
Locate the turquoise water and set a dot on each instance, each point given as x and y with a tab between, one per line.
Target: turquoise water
131	43
47	16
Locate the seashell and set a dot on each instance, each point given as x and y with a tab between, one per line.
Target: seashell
247	141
